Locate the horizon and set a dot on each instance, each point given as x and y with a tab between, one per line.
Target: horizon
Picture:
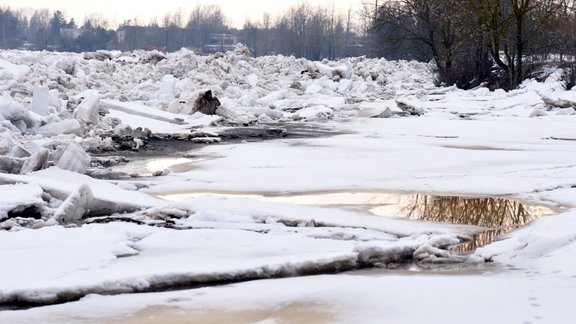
115	13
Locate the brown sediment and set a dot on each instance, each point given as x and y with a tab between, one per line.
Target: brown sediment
292	313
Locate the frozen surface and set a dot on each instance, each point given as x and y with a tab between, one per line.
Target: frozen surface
18	195
472	298
391	130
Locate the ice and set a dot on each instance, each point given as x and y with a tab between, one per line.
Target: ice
87	111
73	158
517	143
313	89
36	161
67	126
10	164
9	71
168	83
18	150
107	196
252	80
377	108
17	115
75	206
19	195
174	257
314	113
40	101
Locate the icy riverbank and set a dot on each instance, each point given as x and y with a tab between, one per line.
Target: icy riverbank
392	131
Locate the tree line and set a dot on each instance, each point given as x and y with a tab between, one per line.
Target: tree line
307	31
473	42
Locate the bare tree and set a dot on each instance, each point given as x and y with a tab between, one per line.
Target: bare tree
434	25
39	28
203	21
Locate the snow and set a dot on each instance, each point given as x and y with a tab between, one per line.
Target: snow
238	210
63	183
18	195
11	71
342	299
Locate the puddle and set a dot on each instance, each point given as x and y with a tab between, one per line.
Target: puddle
147	167
498	215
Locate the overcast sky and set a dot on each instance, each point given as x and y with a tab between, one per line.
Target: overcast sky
116	11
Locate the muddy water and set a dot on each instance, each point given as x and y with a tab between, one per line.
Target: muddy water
296	313
497	215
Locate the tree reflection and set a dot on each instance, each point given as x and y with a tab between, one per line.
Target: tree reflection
486	212
499	214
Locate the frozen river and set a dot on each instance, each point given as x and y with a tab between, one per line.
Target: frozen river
390	175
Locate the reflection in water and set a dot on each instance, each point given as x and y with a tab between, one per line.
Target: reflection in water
499	215
485	212
480	239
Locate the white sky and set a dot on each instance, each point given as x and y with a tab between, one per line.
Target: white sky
116	11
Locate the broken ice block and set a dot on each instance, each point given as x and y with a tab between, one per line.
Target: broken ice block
167	87
40	101
87	111
252	80
174	107
18	150
68	126
74	159
75	206
35	162
10	164
54	100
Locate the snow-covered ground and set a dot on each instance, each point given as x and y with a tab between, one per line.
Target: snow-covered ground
391	131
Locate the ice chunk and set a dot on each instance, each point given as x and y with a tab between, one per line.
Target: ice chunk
35	162
54	100
40	100
313	89
68	65
18	150
123	130
168	83
10	164
538	113
345	86
314	113
68	126
274	96
87	111
332	102
174	106
74	158
566	112
75	206
10	71
252	80
380	109
19	117
19	196
242	50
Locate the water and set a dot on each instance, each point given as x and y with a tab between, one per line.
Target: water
497	215
290	313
